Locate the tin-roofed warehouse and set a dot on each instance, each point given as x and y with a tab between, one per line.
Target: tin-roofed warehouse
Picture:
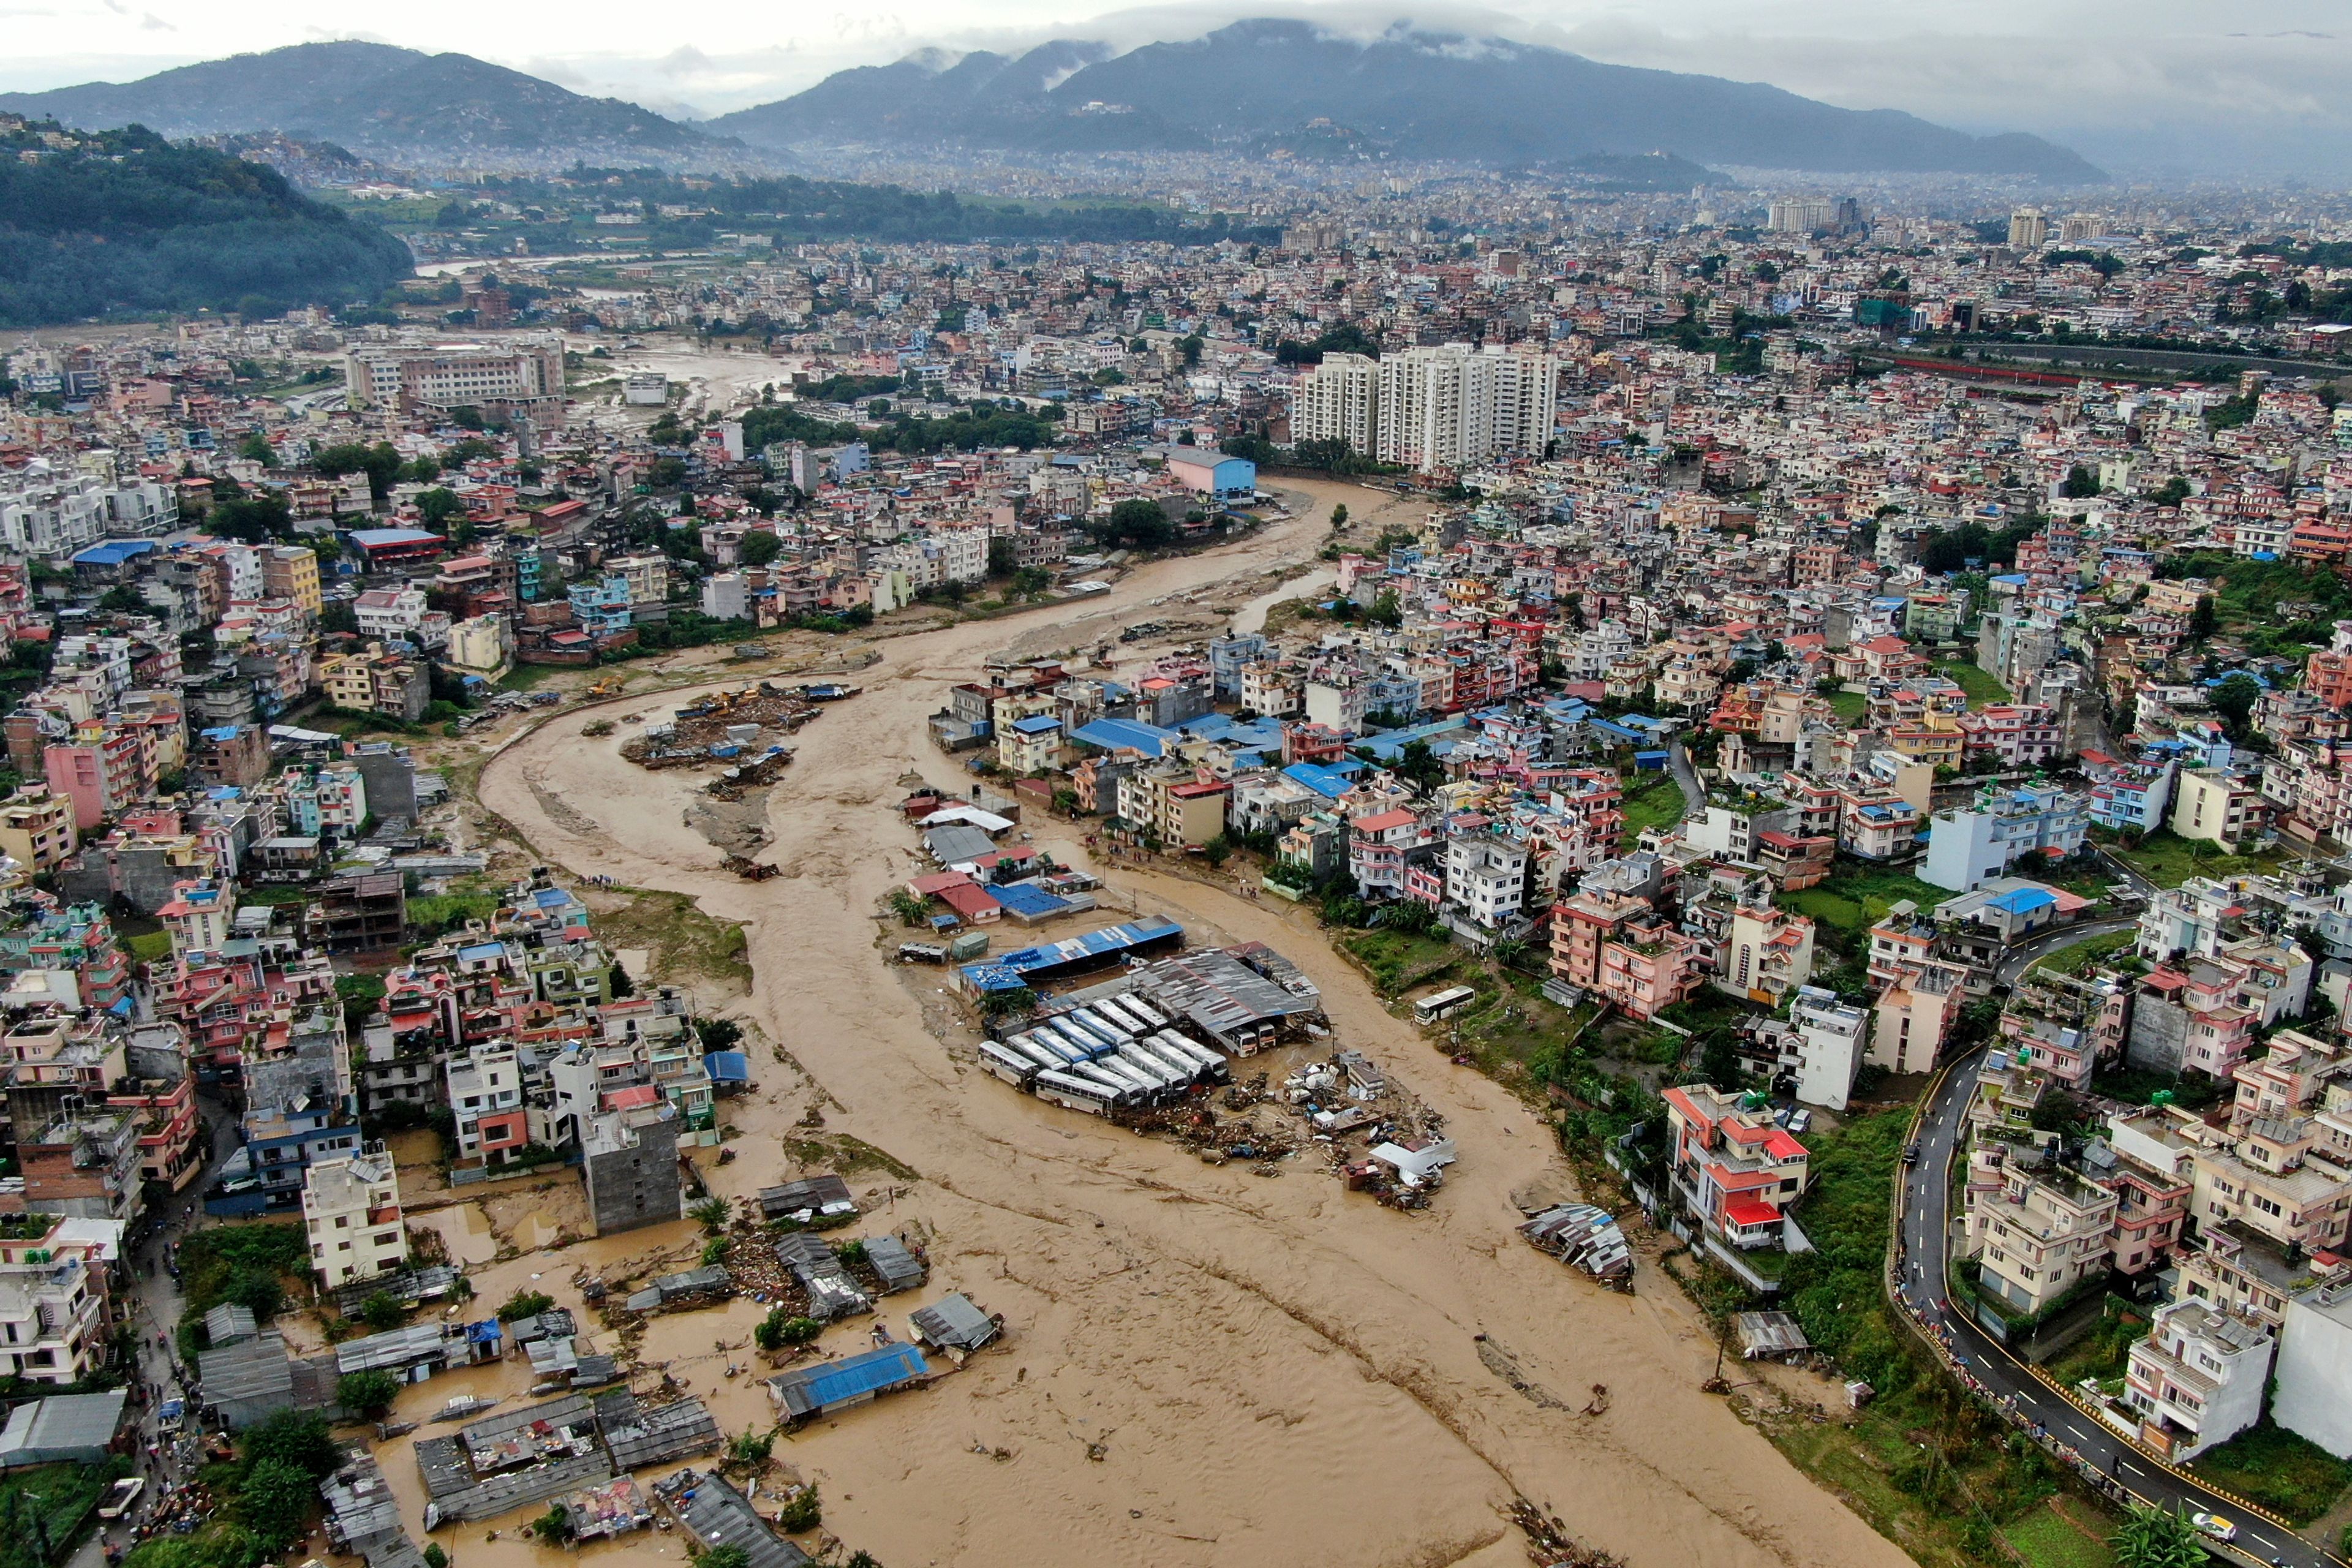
64	1429
1228	999
810	1391
1055	960
715	1513
249	1380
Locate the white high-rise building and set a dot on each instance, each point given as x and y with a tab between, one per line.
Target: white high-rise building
1450	407
1339	400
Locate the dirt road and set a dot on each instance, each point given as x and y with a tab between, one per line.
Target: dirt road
1205	1366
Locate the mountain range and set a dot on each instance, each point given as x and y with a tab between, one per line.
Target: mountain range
1406	94
1421	95
386	102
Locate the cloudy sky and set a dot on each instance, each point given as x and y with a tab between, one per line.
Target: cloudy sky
2141	86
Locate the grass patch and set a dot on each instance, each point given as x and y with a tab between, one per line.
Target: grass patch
847	1156
2168	859
2266	1464
434	914
2103	1350
1857	897
66	1499
684	943
2045	1539
150	946
2086	956
1656	801
1850	707
1400	960
273	893
531	677
1974	679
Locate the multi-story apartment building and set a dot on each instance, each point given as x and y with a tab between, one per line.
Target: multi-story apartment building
2037	1235
2007	825
1734	1173
54	1307
523	377
1339	400
486	1098
1450	407
2196	1379
350	1211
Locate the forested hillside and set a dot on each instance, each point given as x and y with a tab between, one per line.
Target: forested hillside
122	221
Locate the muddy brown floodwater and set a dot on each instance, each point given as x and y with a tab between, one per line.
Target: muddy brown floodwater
1203	1366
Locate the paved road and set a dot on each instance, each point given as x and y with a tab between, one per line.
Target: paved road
1927	1237
2033	952
1694	792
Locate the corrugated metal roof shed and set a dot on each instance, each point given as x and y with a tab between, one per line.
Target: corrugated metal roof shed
1769	1334
637	1436
226	1324
404	1346
814	1192
899	1268
64	1429
253	1369
809	1391
954	1322
716	1514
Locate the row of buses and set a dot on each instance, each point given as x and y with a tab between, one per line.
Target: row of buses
1108	1055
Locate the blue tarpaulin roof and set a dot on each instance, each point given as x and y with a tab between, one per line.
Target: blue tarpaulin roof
727	1067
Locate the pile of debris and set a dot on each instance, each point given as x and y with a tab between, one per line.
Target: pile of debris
724	725
1549	1545
1588	1237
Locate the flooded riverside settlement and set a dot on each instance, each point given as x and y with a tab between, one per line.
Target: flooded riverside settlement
1198	1363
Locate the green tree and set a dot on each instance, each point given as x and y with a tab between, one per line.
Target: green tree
1139	522
802	1510
1339	515
369	1393
256	448
758	548
1003	557
277	1502
295	1438
1217	850
724	1557
437	506
2234	700
2157	1538
712	1213
379	1312
2082	482
524	1304
554	1527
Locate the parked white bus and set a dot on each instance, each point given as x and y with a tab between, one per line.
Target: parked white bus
1452	999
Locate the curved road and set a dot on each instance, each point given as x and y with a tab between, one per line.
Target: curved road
1927	1237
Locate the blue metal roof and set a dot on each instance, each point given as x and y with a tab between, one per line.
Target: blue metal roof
1118	734
1039	725
727	1067
1327	779
113	552
1024	898
869	1373
2023	901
